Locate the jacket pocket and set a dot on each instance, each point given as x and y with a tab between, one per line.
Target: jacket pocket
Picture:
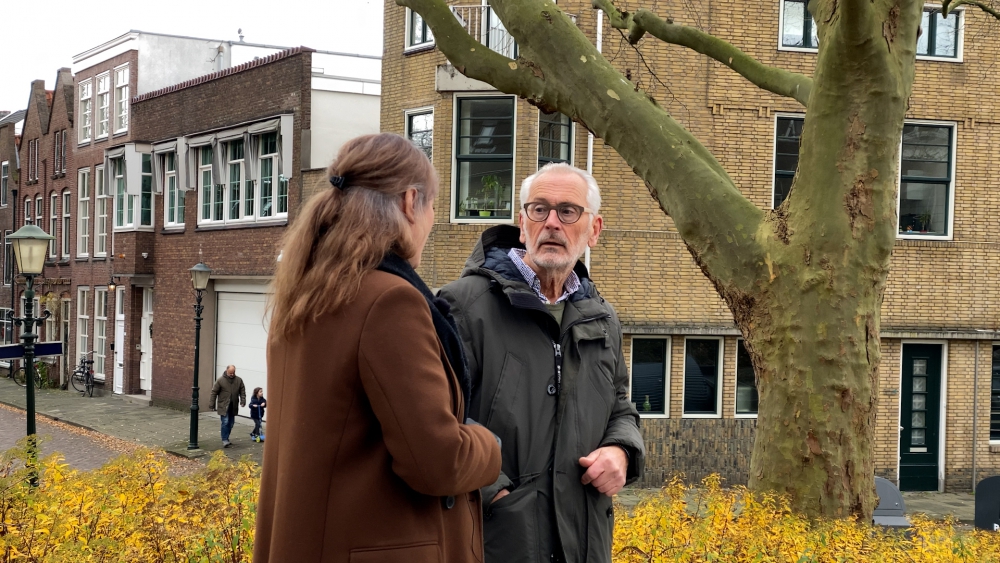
427	552
507	387
510	528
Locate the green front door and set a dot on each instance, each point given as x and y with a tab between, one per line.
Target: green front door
919	417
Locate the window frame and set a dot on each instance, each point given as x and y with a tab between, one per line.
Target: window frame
6	330
29	219
39	212
66	218
4	182
989	433
86	109
781	30
774	148
666	376
408	45
736	375
408	115
453	203
100	358
950	215
121	98
122	200
959	14
720	378
56	153
54	225
8	259
83	212
177	206
100	219
571	145
83	339
145	190
240	185
105	106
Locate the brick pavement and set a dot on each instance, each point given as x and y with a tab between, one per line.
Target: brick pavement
80	451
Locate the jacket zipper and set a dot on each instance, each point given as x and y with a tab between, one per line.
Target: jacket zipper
557	348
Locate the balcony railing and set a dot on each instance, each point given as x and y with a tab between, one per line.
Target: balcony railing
482	23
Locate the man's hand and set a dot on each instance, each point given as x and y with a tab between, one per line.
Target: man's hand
606	469
500	495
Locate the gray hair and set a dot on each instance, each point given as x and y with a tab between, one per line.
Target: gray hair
593	192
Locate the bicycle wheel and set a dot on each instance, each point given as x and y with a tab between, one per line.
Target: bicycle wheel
90	385
19	376
78	380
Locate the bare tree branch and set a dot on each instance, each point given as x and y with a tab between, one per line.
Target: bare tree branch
948	5
776	80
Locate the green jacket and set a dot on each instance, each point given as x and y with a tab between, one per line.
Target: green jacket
230	393
515	349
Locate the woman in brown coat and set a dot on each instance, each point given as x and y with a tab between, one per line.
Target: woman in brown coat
366	459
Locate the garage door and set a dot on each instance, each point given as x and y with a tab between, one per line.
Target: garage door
241	339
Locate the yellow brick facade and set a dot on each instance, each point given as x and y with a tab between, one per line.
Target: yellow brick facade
940	291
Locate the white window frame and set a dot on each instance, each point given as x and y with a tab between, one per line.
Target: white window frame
720	379
774	142
67	207
101	199
781	31
241	186
103	105
959	57
171	189
121	107
56	153
83	213
6	330
39	212
453	198
4	182
8	259
215	198
29	219
276	182
100	338
54	225
572	138
736	367
951	186
408	46
145	181
666	379
82	321
407	114
123	201
210	200
86	109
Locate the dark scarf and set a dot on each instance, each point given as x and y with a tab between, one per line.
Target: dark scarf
444	324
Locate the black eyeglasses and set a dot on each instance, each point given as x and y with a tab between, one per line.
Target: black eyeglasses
568	213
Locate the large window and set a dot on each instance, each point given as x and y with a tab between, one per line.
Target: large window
32	161
6	328
746	382
174	195
124	203
418	33
29	219
926	179
420	129
787	138
146	193
235	178
83	213
4	182
86	103
702	377
485	158
251	188
100	330
54	224
555	134
57	154
995	397
66	207
8	258
82	322
209	210
650	366
797	26
271	203
121	99
103	105
939	35
101	213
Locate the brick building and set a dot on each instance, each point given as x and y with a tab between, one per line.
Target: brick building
938	421
10	139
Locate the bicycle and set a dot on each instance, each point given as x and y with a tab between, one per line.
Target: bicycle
21	378
83	376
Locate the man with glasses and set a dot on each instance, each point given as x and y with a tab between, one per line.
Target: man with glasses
548	376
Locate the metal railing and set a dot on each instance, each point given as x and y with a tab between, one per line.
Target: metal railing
482	23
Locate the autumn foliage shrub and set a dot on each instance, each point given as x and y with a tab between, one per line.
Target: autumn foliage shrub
709	523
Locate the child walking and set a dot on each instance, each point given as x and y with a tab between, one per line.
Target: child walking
257	405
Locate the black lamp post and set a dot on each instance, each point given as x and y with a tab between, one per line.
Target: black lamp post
199	279
30	245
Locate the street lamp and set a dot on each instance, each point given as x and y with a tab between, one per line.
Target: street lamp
30	245
199	279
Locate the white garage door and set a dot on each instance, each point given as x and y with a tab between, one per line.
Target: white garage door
241	339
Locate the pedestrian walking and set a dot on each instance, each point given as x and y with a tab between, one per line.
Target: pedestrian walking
257	406
368	457
228	395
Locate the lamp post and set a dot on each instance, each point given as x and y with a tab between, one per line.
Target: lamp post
30	245
199	279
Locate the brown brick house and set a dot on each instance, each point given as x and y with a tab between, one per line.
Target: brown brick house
10	138
938	419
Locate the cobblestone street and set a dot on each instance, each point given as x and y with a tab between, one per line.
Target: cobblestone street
80	450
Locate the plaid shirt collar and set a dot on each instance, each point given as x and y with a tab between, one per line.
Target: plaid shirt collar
572	285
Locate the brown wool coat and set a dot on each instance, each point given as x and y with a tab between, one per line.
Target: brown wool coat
365	460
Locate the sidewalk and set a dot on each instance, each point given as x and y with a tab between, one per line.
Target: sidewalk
152	427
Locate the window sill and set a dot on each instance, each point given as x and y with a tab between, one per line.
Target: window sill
63	262
483	221
745	415
172	231
653	416
99	258
931	58
421	48
121	133
707	416
83	258
994	448
798	49
918	236
233	226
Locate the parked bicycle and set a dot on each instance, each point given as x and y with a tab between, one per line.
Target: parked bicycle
21	377
83	376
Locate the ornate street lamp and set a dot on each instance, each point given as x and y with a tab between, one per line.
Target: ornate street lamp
199	279
30	246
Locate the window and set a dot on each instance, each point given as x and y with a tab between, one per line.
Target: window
268	166
124	203
100	331
56	153
86	88
62	139
485	158
554	138
746	382
702	366
100	213
8	258
797	26
995	397
54	224
175	196
235	198
234	151
208	206
28	218
121	99
146	193
4	182
33	161
82	320
65	223
926	176
6	328
650	366
103	105
787	139
39	212
497	38
420	129
418	33
940	35
51	327
83	213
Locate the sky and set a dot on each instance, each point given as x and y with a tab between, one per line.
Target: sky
50	33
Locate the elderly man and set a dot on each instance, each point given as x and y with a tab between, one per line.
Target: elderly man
228	394
548	377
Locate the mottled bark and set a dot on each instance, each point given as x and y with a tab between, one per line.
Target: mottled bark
805	281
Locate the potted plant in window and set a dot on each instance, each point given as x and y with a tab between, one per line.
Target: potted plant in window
925	222
491	188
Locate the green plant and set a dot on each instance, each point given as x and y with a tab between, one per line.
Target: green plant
925	221
492	187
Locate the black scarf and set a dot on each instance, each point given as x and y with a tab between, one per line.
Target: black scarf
444	324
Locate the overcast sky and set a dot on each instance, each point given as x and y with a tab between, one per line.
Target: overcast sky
40	37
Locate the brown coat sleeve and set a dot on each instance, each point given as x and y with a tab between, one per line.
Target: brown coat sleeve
410	393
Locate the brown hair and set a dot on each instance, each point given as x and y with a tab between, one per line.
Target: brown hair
341	234
256	390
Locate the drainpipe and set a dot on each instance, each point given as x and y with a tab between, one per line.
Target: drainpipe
590	136
975	418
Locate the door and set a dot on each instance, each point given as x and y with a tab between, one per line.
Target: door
241	339
920	412
119	344
146	341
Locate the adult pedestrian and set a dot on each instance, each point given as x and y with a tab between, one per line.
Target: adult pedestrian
228	395
367	457
548	376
